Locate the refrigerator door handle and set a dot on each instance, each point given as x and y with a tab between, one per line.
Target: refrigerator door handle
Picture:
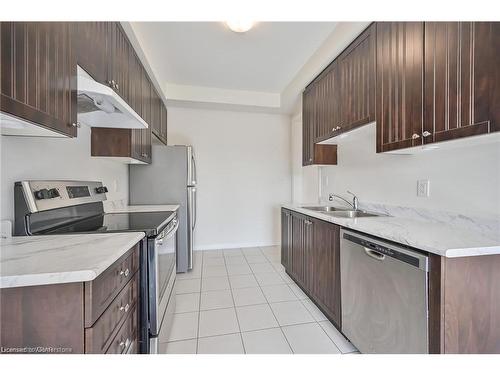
190	228
193	177
195	208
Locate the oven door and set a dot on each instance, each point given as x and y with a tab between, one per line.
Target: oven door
161	274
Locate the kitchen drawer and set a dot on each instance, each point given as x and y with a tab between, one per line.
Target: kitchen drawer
100	292
99	336
125	341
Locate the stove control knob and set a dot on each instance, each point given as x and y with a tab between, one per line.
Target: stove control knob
54	193
41	194
101	189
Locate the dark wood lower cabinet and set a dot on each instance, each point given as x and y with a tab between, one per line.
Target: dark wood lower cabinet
286	233
325	260
98	316
463	295
464	305
311	256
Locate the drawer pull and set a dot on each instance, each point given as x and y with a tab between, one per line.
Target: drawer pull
125	308
124	273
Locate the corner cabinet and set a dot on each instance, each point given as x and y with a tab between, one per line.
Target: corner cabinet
38	74
310	253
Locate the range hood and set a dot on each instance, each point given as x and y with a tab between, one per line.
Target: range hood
99	106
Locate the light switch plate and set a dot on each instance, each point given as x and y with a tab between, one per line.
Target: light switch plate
423	188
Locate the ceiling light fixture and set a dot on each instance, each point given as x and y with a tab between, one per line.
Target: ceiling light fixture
240	26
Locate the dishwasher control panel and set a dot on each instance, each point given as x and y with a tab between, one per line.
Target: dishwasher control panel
399	254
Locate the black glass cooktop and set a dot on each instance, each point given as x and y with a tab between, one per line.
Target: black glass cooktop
151	223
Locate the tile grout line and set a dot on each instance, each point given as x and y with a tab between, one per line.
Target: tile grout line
277	321
254	330
318	323
199	302
234	307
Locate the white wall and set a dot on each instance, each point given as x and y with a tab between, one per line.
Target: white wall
464	180
56	158
243	167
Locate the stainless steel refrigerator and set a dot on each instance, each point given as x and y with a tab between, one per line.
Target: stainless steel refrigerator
170	179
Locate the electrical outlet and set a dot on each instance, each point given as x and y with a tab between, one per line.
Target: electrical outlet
423	188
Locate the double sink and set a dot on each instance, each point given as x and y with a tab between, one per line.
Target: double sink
340	212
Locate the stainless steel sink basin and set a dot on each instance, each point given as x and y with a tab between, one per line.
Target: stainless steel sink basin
325	208
351	214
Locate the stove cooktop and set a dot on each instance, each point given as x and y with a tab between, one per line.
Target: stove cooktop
150	223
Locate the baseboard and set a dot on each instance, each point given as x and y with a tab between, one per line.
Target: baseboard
234	246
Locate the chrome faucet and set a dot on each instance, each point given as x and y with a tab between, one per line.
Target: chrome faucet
354	203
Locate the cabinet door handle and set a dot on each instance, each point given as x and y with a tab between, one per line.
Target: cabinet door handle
125	308
76	125
415	136
124	273
426	134
124	344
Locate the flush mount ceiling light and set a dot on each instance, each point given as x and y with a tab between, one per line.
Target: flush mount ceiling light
240	26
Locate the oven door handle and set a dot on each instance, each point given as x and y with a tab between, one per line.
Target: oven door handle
172	230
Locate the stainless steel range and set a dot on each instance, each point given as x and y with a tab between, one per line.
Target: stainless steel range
69	207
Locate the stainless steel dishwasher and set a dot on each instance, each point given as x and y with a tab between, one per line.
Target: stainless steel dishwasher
384	295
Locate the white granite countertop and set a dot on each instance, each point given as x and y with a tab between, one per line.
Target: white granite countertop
142	208
447	241
56	259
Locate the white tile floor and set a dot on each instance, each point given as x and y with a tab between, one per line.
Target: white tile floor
241	301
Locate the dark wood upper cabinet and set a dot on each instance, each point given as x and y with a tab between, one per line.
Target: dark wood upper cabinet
313	153
163	123
436	81
339	99
158	117
356	67
327	103
462	79
118	60
92	43
135	81
308	123
38	74
399	84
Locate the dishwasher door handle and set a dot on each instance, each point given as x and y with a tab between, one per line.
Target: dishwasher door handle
374	254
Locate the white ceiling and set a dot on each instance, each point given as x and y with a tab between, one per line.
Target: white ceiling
208	54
